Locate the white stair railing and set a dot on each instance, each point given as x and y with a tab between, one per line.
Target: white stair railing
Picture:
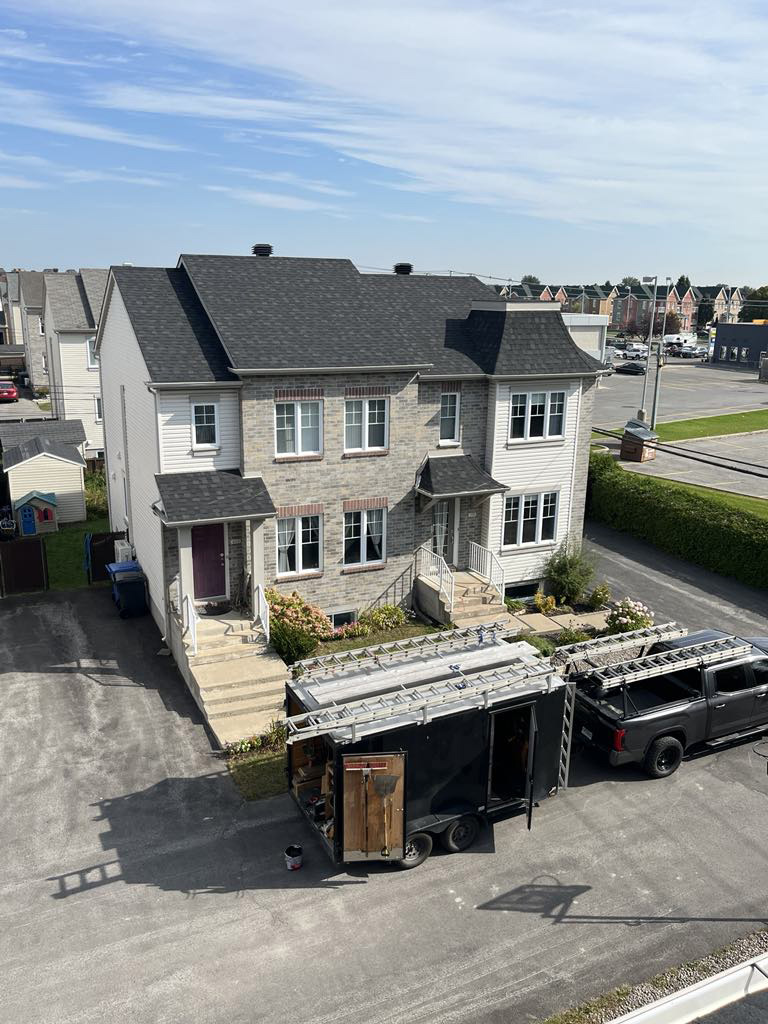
190	623
262	609
486	564
434	567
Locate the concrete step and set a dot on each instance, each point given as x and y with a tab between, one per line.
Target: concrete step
478	600
238	727
268	668
243	688
222	701
477	618
218	626
256	701
224	652
208	640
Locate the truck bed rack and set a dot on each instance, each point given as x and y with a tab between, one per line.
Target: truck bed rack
419	704
603	645
676	660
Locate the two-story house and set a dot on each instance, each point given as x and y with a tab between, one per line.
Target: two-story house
72	304
31	289
358	438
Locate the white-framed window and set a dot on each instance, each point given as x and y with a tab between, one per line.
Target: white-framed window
205	425
450	408
93	359
734	354
299	545
366	424
745	355
723	351
298	428
41	325
97	407
536	415
529	519
365	536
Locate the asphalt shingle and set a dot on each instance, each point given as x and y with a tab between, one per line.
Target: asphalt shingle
201	497
31	288
62	431
450	475
34	446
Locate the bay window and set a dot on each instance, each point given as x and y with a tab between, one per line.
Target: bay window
365	424
298	428
529	519
298	545
365	536
536	415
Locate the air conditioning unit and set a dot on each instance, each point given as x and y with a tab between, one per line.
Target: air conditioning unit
123	551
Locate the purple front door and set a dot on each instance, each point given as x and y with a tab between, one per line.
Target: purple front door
208	563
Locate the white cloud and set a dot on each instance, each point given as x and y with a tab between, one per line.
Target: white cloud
14	46
415	218
324	188
13	181
276	200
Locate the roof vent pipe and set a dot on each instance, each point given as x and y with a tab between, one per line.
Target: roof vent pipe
403	268
261	249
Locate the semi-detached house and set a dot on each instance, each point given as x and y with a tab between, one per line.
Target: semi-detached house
358	438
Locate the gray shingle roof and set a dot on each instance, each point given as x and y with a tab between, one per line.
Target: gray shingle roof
31	288
173	332
34	446
201	497
63	431
75	299
95	284
450	475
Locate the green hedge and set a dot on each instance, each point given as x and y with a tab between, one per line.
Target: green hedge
686	524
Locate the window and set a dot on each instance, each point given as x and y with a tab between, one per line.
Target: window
206	432
449	417
734	354
93	359
745	355
342	618
298	544
723	351
732	679
298	428
529	519
97	404
41	325
760	668
365	424
364	536
537	415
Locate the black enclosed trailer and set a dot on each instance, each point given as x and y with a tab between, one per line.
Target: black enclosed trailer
404	744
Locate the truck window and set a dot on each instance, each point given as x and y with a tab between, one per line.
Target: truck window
732	679
760	668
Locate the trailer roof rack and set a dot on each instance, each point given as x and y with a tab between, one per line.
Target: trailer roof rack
602	645
678	659
421	702
401	650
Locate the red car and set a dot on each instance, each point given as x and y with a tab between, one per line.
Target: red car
8	391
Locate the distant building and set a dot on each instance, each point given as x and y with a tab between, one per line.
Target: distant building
740	345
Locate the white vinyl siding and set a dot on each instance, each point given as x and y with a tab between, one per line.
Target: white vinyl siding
177	435
64	479
78	385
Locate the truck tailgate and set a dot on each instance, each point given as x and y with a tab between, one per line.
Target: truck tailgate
593	725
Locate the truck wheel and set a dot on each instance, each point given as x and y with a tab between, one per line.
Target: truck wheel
418	847
460	834
663	757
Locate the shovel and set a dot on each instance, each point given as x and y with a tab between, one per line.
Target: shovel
384	786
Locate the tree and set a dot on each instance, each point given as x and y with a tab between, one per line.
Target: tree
632	330
608	285
529	279
632	282
756	307
683	284
673	324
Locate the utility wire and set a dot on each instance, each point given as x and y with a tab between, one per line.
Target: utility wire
672	450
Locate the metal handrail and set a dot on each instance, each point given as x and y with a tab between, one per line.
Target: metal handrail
262	609
428	563
486	564
190	622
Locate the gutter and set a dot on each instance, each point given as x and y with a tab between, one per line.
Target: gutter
213	519
178	385
461	494
295	370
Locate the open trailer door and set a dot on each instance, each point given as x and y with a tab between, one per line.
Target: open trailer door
533	736
374	806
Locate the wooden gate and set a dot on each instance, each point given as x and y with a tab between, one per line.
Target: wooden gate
23	566
374	806
99	552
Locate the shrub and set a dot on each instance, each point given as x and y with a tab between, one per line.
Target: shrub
544	646
513	605
568	573
352	629
271	740
688	524
96	495
293	610
628	615
545	603
386	616
569	635
600	597
291	642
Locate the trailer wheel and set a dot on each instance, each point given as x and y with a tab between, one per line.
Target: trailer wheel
460	834
418	847
663	757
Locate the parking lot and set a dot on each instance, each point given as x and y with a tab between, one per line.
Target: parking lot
688	389
135	885
26	408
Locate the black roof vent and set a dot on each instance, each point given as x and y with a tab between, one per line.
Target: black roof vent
261	249
403	268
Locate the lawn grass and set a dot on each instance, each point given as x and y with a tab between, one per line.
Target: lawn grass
259	774
65	552
382	637
704	426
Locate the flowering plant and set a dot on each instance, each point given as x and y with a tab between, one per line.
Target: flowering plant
293	611
628	615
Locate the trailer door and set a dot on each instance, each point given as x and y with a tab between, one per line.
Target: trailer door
533	736
374	806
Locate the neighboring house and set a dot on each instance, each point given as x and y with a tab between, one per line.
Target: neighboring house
31	288
15	333
72	308
294	423
740	346
42	462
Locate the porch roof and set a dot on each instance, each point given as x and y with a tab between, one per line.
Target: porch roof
452	476
216	496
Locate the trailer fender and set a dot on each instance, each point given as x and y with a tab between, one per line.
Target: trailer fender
435	824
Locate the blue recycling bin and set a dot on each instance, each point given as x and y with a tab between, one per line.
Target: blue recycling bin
129	589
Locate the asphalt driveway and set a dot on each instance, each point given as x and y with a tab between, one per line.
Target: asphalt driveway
135	886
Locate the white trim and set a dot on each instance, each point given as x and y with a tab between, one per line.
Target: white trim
365	425
208	446
538	543
44	455
527	438
299	570
363	513
92	364
298	451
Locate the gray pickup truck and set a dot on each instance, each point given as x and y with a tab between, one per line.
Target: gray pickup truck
697	691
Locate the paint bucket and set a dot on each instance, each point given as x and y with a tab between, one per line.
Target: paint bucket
293	857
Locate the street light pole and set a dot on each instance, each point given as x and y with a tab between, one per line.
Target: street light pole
647	280
657	382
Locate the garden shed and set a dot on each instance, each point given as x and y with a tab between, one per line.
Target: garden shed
35	513
40	465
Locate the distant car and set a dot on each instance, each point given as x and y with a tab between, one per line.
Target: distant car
636	369
8	391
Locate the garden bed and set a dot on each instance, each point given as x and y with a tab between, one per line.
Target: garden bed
384	636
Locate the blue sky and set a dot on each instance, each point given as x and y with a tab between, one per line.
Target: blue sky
489	137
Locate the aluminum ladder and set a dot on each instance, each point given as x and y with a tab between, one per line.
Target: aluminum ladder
652	665
566	738
602	645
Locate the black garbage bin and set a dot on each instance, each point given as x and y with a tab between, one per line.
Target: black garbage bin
129	589
633	443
